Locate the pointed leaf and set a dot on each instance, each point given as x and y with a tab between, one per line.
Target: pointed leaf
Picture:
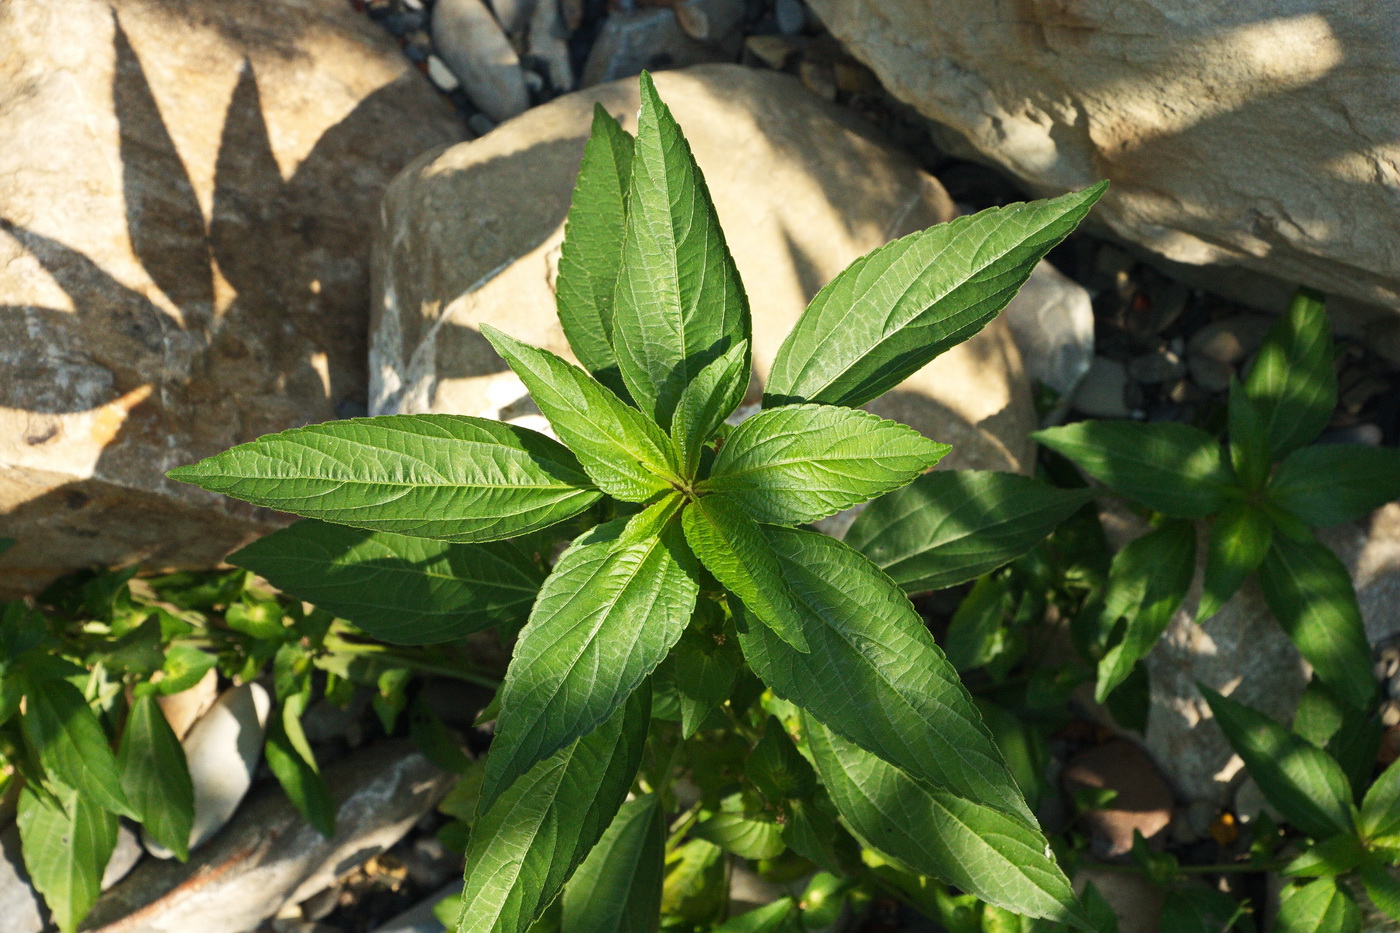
733	548
776	917
592	252
525	846
626	454
1320	907
293	763
66	844
1335	856
408	591
714	394
1240	538
1155	570
617	889
679	303
1249	441
616	603
1380	811
1002	859
952	526
745	836
1299	778
432	476
875	675
1334	483
901	305
1168	466
785	466
156	777
62	731
1381	887
1309	591
1292	382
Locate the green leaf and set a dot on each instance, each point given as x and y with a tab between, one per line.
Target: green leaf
1292	383
62	731
1299	778
528	842
785	466
1202	910
623	451
732	546
156	777
1147	583
1381	887
901	305
592	252
1249	442
408	591
1320	907
1380	810
777	768
617	889
770	918
439	744
977	631
66	844
712	397
1309	591
874	673
1168	466
1335	856
745	836
1002	859
703	665
697	885
679	303
616	603
952	526
22	629
1333	483
432	476
293	763
1239	539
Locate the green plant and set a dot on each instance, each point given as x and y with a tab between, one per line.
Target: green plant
687	575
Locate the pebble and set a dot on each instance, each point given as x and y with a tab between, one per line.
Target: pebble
441	75
819	77
513	15
1052	322
792	16
710	20
222	749
21	910
1154	368
1143	804
774	51
549	44
1101	392
471	42
1210	374
1231	339
125	855
1369	435
645	38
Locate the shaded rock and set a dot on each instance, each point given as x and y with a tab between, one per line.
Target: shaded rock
125	855
1161	365
222	750
1143	801
1052	319
21	908
710	20
1230	340
420	918
549	42
183	256
1135	900
649	38
1103	389
182	710
474	46
1169	99
513	15
270	856
791	16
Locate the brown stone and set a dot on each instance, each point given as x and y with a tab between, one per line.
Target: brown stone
186	196
1143	801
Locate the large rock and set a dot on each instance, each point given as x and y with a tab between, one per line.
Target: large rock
1258	133
472	235
186	196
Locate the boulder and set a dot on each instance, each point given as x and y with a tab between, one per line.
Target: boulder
471	235
1257	134
186	197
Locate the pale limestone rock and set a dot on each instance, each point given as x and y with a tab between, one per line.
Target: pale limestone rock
474	46
471	235
1258	133
186	192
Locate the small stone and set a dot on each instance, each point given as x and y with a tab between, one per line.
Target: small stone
642	39
1101	392
1052	319
471	42
513	15
792	16
1390	713
1250	803
1143	803
480	124
21	909
1210	374
855	78
1156	367
1136	901
182	710
1230	340
549	44
441	75
710	20
774	51
819	77
127	853
222	749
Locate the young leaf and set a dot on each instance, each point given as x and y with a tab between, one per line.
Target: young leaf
679	303
62	731
616	603
785	466
617	889
703	665
901	305
1249	441
777	768
1381	887
623	451
1333	483
745	836
1380	811
712	397
875	675
1154	572
1002	859
1309	591
66	844
408	591
156	777
949	527
733	548
1239	540
1293	384
776	917
1335	856
526	845
1320	907
1299	778
592	252
293	763
431	476
1168	466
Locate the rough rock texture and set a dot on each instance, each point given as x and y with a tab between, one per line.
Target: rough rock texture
20	905
1257	133
1143	801
472	234
186	196
270	856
